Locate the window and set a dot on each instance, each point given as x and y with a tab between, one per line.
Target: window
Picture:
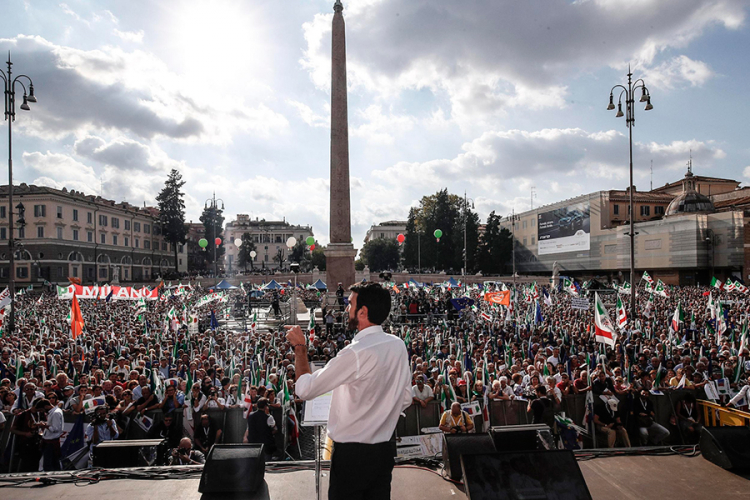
21	232
115	223
102	220
40	232
147	244
59	233
3	233
524	224
126	273
266	257
628	209
127	241
75	234
59	212
137	227
114	239
40	210
157	230
533	240
127	225
658	210
22	272
180	259
524	240
137	243
3	212
103	238
181	248
103	272
90	236
645	210
617	209
59	271
75	214
164	246
89	218
75	271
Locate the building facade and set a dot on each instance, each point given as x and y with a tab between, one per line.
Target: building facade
69	234
386	230
270	239
680	236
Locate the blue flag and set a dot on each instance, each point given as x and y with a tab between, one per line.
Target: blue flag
74	441
462	303
214	322
109	295
538	318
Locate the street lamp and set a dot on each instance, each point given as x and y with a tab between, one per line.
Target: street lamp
212	204
9	89
629	93
466	218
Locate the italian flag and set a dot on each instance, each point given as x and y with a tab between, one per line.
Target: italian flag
677	318
622	315
647	277
711	306
604	330
569	287
716	283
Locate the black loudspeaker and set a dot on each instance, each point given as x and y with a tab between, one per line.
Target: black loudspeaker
727	447
456	445
135	453
524	474
233	468
522	437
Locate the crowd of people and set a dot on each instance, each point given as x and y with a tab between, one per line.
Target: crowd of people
130	362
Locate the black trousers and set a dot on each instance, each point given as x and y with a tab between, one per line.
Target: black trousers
361	471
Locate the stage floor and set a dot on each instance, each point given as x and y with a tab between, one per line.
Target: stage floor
641	477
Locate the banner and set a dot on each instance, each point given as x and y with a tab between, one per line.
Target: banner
566	229
101	292
501	298
580	303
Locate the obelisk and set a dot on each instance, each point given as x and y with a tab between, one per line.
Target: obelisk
340	252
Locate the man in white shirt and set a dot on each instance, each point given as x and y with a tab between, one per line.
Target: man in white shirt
53	429
421	393
371	385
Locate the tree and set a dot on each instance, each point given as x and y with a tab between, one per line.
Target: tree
497	245
298	251
318	258
279	257
246	247
213	221
381	254
172	212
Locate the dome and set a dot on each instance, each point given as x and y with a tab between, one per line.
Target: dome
690	202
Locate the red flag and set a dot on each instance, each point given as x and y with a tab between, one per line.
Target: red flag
76	319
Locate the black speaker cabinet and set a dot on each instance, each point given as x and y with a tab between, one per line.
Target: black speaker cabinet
727	447
523	474
522	437
233	468
455	445
135	453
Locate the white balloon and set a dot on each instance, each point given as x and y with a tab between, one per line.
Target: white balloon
238	242
253	254
291	242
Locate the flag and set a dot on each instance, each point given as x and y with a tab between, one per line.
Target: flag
648	278
677	318
485	316
570	287
247	401
74	441
605	332
4	298
76	319
692	319
625	288
547	297
740	287
214	321
622	316
729	285
538	318
661	289
254	324
711	306
89	405
716	283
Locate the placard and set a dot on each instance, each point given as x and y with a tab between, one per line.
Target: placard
317	410
580	303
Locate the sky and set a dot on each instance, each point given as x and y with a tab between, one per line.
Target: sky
495	98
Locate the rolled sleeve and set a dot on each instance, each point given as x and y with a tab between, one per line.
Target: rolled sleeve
339	370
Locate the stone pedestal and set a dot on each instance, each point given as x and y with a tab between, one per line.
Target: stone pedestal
339	265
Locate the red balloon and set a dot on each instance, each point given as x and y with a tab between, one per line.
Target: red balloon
400	238
312	247
217	241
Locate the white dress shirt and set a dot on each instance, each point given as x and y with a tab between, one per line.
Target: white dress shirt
55	424
371	385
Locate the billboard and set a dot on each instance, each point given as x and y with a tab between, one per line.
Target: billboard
566	229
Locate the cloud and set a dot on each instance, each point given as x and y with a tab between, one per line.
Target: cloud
678	71
309	116
379	128
130	36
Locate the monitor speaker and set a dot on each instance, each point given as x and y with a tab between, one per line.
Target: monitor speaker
233	468
727	447
135	453
523	474
522	437
455	445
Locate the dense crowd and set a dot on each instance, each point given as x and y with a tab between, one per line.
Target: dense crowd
178	355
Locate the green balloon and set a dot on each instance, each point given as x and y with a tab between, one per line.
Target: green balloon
203	242
310	241
438	233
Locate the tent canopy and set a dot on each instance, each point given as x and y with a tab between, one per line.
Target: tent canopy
224	285
319	285
272	285
415	283
451	282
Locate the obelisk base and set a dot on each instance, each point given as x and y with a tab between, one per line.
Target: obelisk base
339	265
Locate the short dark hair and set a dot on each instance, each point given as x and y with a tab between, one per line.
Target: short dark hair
376	298
262	403
540	389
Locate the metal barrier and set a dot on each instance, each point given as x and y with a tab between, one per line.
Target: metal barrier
716	415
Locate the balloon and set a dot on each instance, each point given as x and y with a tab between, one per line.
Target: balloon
253	254
310	240
291	242
438	233
217	241
312	247
238	242
400	238
203	242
